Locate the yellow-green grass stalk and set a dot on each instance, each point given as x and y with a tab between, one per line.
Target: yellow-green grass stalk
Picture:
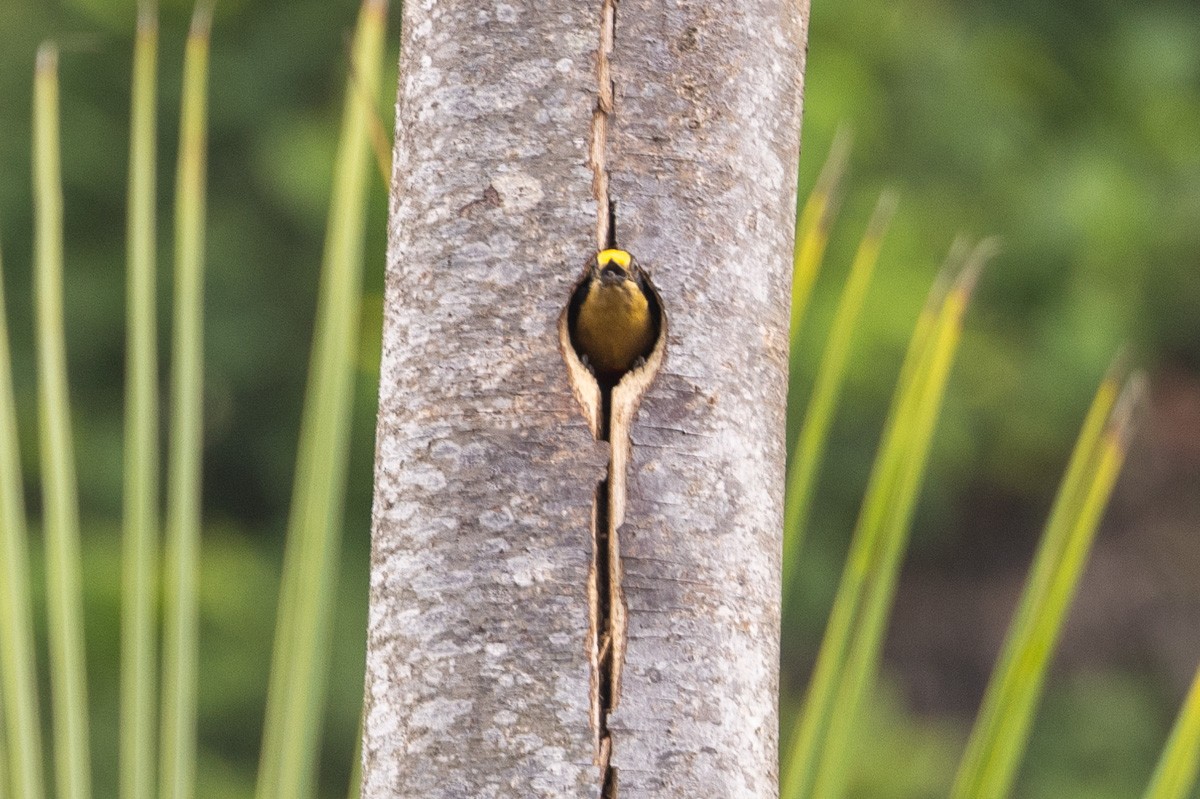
355	790
1001	730
295	699
381	143
18	670
800	765
920	419
1053	542
812	229
177	767
1175	775
863	567
810	446
64	603
139	569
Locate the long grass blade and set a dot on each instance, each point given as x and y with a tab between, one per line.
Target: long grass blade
920	419
3	759
1052	544
812	229
814	433
1175	775
1001	730
800	766
297	688
68	675
140	556
355	790
182	629
878	540
381	143
18	670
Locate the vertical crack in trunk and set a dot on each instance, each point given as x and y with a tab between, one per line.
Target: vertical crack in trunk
602	637
606	229
609	410
608	630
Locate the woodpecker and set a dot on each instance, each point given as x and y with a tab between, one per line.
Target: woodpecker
614	323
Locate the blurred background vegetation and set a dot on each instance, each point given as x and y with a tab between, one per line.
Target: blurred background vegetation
1070	129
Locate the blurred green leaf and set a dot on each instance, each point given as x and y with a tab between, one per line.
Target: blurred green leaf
998	740
181	634
848	658
17	667
295	700
140	564
814	433
1175	775
812	229
65	602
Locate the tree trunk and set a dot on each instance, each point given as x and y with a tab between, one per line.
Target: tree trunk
544	623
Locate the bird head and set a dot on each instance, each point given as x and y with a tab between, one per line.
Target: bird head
614	266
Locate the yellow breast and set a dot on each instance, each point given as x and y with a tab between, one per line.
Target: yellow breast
614	327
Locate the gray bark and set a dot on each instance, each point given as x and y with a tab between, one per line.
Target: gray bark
484	652
702	161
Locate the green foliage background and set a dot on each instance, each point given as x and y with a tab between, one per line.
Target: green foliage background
1071	129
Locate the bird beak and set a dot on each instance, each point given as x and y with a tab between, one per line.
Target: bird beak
612	273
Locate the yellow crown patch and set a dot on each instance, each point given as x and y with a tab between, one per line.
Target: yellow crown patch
618	257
